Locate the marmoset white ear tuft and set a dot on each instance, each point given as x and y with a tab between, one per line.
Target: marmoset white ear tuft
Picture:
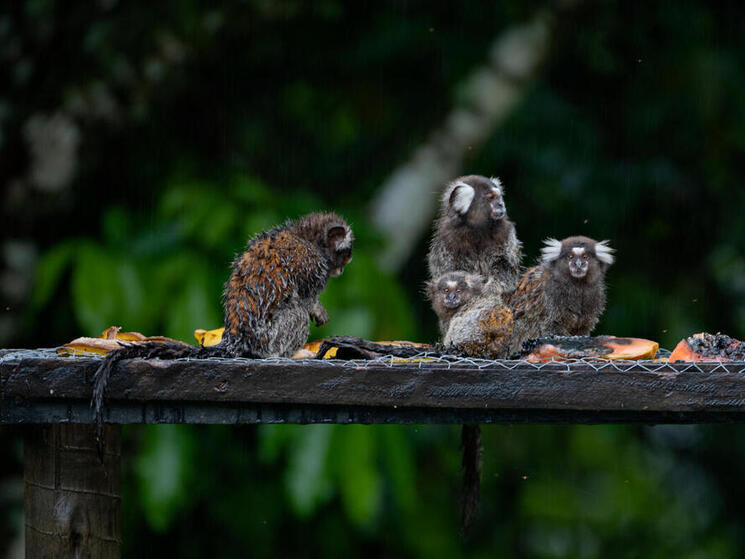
551	250
461	197
604	252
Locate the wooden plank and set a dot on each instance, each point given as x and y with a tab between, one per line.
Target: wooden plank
302	414
71	498
218	391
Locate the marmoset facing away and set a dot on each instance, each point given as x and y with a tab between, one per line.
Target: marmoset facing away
450	292
565	294
269	299
473	233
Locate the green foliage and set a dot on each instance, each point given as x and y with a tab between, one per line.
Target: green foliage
203	125
166	277
165	472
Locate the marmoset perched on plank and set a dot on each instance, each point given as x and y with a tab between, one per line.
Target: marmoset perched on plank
472	314
269	299
450	292
473	236
472	233
565	294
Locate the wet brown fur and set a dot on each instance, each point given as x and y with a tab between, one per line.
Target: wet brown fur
269	298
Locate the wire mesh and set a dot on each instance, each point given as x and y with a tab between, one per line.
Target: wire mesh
435	361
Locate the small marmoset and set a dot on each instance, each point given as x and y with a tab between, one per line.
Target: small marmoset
565	294
475	322
473	234
483	326
269	298
450	292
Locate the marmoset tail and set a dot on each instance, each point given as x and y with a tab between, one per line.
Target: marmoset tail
473	234
565	294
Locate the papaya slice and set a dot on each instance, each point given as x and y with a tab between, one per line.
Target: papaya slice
708	347
587	347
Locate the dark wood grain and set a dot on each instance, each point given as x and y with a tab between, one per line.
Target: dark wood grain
71	498
206	391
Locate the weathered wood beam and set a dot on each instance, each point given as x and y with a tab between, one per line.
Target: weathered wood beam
50	390
72	499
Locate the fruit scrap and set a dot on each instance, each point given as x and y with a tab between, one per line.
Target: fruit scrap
109	340
708	347
349	347
588	347
308	351
209	338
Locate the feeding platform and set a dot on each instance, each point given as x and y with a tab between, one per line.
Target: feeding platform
72	499
39	387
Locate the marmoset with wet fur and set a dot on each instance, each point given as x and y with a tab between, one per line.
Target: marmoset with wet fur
269	299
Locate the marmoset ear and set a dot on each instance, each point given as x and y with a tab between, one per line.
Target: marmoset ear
461	197
551	250
339	237
604	252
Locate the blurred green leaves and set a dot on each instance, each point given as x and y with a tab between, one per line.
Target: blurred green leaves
164	276
351	462
203	125
307	475
359	479
165	470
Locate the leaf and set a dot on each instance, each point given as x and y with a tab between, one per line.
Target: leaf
272	440
398	459
359	478
134	306
368	303
117	227
95	290
192	307
164	472
306	478
49	272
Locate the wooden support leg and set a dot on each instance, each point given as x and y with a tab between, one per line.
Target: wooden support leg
72	501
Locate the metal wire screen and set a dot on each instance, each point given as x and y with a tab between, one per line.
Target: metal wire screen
428	361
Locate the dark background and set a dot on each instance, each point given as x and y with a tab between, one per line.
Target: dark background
142	144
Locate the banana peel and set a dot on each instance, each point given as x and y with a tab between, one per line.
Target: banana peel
108	341
209	338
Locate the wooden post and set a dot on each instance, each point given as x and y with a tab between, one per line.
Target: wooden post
72	501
